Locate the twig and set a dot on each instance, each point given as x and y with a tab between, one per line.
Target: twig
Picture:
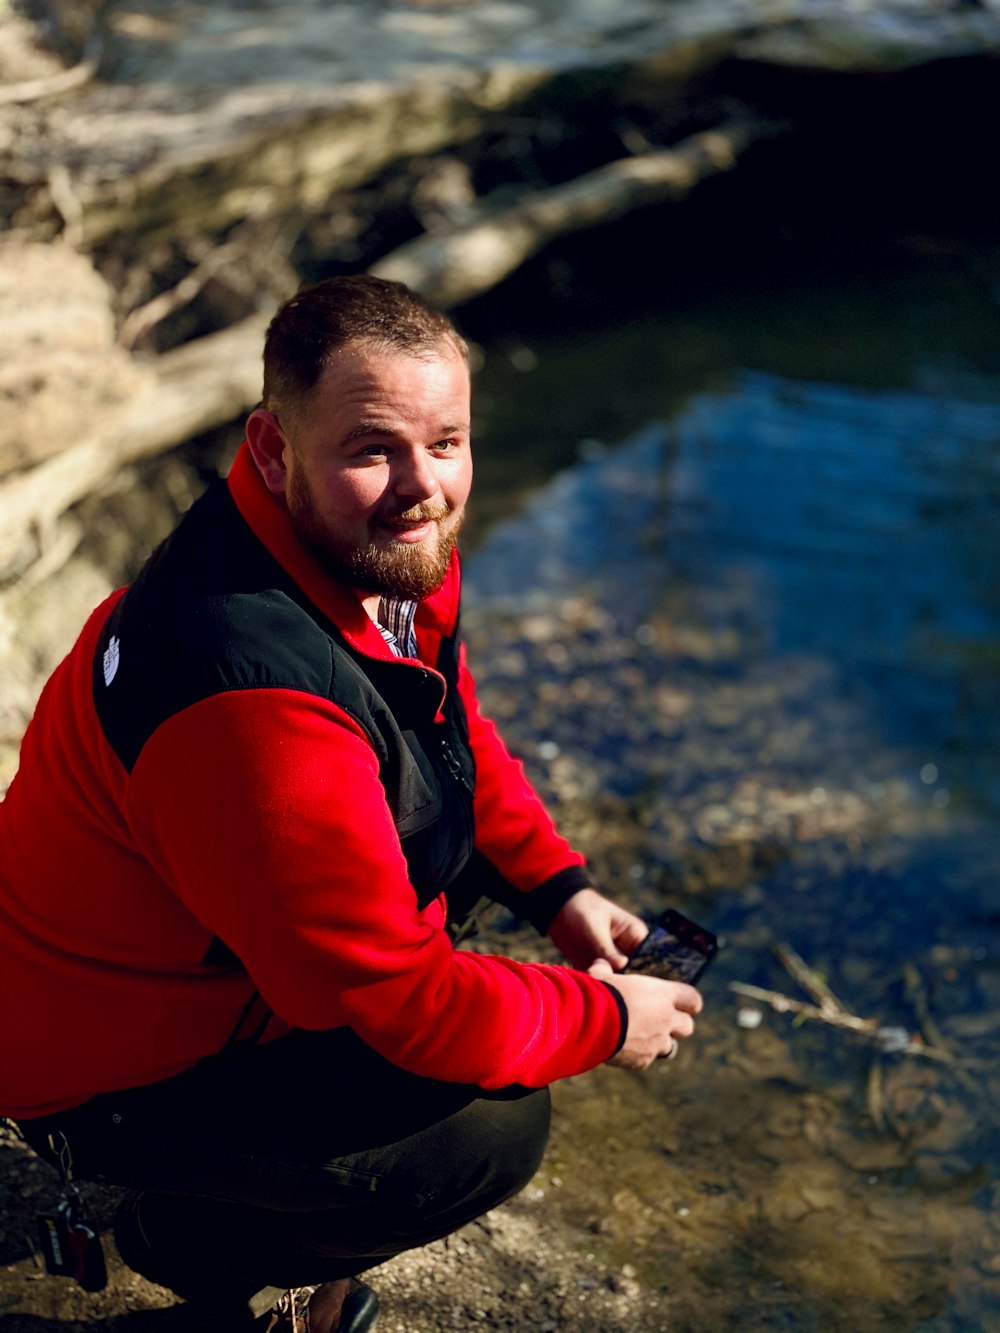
250	260
875	1092
916	992
890	1039
65	199
785	1004
810	981
146	317
33	90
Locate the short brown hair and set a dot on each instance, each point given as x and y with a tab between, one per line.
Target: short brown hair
320	319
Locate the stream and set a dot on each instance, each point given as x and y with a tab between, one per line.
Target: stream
733	592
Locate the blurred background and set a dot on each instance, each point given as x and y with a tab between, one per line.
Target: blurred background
731	276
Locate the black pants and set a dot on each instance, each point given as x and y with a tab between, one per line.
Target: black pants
301	1161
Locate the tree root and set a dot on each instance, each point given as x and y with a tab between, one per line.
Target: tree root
468	260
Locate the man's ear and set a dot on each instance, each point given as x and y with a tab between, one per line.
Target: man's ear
267	447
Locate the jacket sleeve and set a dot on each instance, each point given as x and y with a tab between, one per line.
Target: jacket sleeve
263	811
514	831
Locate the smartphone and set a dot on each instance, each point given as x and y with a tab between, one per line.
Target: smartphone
676	949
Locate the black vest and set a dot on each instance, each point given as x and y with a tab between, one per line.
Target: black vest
213	611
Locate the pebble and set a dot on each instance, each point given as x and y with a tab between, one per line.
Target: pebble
749	1016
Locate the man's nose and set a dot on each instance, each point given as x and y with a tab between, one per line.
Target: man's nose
414	476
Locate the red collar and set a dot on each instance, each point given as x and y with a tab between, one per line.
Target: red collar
270	523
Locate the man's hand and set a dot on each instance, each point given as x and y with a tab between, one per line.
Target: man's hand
590	927
659	1013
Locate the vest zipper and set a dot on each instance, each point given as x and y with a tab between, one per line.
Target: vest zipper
454	767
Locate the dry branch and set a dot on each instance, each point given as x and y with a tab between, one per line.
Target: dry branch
890	1039
147	316
830	1009
809	979
53	85
204	384
467	261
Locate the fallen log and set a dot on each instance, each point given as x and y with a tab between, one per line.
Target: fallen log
470	259
213	380
203	384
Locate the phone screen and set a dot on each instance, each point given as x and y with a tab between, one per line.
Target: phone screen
676	949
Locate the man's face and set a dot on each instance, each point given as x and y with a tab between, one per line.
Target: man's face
378	467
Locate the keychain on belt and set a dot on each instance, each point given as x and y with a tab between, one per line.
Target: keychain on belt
70	1242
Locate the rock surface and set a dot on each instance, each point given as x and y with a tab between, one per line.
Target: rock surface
60	365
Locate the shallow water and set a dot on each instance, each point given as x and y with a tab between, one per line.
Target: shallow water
758	674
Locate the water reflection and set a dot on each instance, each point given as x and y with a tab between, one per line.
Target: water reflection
870	522
861	526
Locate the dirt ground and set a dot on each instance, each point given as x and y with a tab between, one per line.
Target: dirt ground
769	1178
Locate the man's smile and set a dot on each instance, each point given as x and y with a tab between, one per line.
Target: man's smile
410	532
416	524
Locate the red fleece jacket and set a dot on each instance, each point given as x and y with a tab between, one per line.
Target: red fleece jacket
257	816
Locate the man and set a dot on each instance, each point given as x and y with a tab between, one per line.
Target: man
251	802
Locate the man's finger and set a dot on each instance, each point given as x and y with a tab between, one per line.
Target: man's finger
689	999
616	958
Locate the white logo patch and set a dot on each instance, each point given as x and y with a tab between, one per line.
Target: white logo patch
112	656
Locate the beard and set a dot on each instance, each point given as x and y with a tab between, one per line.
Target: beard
405	570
